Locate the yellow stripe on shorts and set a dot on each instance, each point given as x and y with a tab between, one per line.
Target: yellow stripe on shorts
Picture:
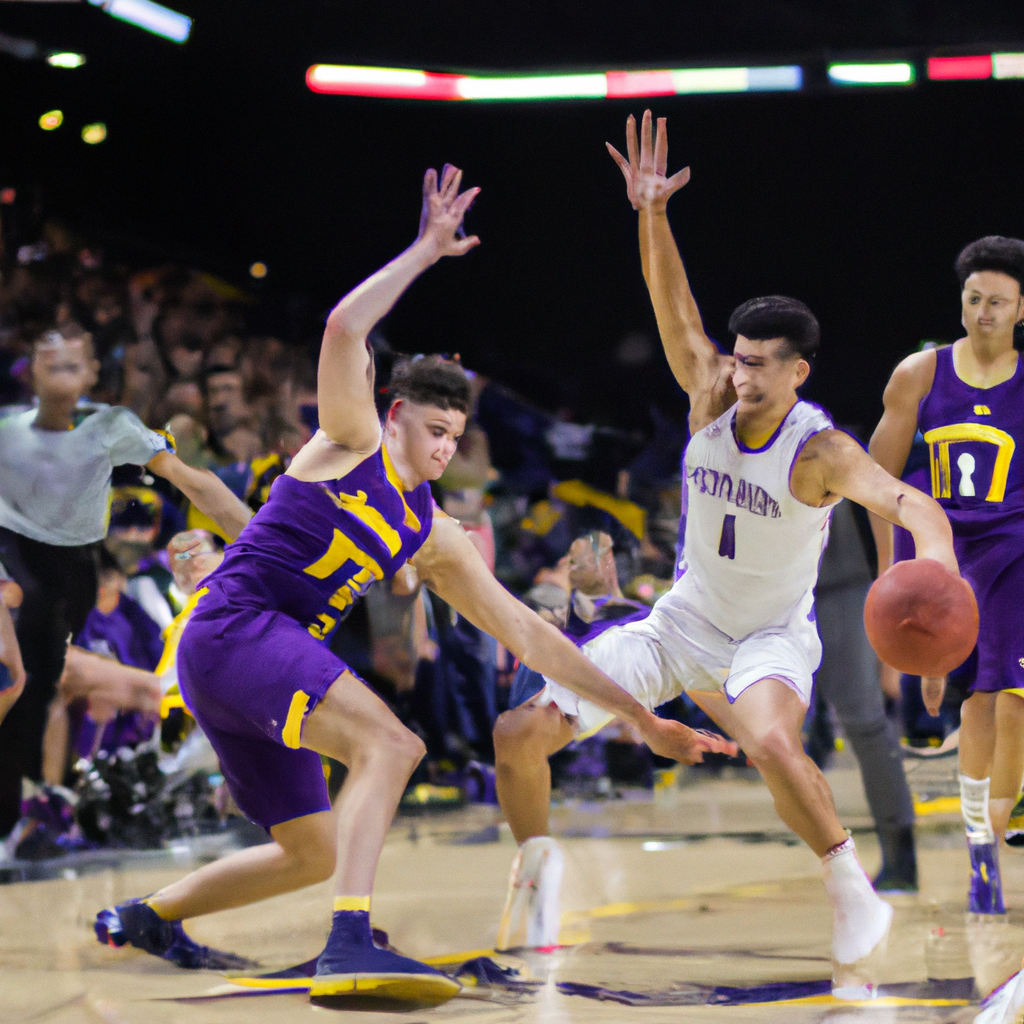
291	734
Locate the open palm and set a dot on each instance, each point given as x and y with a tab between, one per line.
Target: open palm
442	212
647	186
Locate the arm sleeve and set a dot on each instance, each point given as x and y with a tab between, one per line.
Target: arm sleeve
130	441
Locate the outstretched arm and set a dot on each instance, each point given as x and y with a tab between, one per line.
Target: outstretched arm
833	465
205	490
694	360
345	375
452	567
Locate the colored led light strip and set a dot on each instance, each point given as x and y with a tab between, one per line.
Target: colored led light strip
988	65
152	17
893	73
397	83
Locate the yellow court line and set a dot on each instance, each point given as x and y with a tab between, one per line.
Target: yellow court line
882	1001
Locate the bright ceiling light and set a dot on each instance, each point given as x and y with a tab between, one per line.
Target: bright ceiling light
895	73
152	17
51	119
66	60
94	134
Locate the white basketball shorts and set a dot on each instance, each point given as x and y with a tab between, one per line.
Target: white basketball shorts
676	648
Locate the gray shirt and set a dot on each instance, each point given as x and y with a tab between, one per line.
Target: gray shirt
55	484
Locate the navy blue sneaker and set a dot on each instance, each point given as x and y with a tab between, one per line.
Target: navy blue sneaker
137	924
352	966
986	892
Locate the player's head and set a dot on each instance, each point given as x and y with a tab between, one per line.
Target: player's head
592	564
776	340
63	365
430	400
991	276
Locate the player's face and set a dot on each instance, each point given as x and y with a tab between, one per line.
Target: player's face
586	562
63	371
991	302
428	436
766	372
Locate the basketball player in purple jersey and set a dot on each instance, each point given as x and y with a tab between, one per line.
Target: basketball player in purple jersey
736	631
968	401
352	509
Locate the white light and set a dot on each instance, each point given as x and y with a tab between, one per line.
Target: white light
65	60
345	74
1008	65
534	87
656	846
152	17
691	80
899	73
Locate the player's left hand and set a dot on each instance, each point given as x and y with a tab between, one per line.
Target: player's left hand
683	744
442	213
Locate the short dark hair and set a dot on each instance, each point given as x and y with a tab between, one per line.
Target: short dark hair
431	380
777	316
993	252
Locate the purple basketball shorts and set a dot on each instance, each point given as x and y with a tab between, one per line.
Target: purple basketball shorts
250	675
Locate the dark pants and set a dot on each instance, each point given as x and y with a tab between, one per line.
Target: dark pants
60	590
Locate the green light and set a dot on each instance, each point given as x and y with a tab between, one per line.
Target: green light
896	73
66	60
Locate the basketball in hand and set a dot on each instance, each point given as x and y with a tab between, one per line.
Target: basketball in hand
921	618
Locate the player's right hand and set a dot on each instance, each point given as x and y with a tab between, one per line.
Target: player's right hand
647	186
683	744
442	213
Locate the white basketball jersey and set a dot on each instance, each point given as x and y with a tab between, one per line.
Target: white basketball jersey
751	553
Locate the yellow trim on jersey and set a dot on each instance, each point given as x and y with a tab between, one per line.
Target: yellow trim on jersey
411	519
291	734
941	438
355	505
351	903
172	634
1017	691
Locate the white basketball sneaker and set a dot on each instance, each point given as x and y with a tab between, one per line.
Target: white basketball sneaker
532	914
860	924
1003	1006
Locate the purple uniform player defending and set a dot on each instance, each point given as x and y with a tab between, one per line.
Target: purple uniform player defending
968	401
352	509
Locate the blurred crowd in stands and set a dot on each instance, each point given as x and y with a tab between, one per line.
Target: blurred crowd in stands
579	520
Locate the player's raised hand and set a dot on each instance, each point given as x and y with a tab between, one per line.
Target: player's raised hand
646	184
688	746
443	209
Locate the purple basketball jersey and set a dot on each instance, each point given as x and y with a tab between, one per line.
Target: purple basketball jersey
977	475
315	548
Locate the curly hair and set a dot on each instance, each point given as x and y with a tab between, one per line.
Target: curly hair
993	252
431	380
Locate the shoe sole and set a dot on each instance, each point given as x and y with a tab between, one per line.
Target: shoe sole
424	990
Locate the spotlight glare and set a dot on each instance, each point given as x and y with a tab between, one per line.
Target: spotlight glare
51	120
258	270
152	17
960	68
66	60
896	73
94	134
1008	65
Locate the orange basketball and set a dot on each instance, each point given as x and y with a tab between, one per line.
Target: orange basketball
921	618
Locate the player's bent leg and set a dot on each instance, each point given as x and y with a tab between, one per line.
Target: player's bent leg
524	738
354	726
301	854
765	718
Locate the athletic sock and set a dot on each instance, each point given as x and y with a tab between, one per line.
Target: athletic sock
350	925
974	808
860	918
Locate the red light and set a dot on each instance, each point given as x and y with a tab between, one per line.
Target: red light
639	83
945	68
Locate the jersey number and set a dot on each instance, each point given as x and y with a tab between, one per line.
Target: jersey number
727	542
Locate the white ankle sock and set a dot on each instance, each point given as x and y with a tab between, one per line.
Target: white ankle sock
974	808
859	918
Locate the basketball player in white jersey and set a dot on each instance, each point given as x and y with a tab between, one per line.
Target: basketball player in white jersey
737	630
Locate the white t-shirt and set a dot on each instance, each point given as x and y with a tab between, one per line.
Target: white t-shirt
751	554
55	484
